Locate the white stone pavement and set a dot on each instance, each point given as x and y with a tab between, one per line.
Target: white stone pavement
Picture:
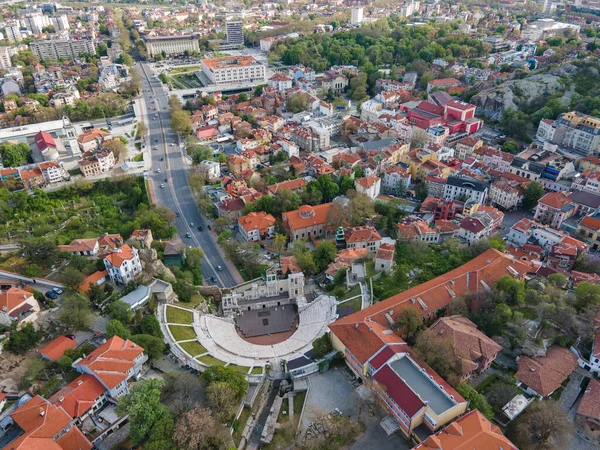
219	337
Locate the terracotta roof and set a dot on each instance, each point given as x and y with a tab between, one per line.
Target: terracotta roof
289	264
473	431
386	251
42	422
365	233
91	135
472	224
591	223
120	255
468	342
428	297
79	245
367	182
291	185
590	402
33	173
56	348
545	374
79	395
92	279
110	240
13	297
112	360
260	221
306	216
556	200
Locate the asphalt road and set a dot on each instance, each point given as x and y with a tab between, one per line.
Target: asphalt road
176	193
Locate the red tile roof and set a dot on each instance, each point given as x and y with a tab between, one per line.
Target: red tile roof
545	374
92	279
260	221
367	182
365	233
78	396
56	348
590	402
112	360
386	252
428	297
120	255
556	200
473	431
306	216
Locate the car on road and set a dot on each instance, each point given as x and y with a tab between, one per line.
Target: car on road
158	170
176	214
162	158
191	224
208	226
166	180
51	295
171	144
162	186
219	268
156	140
188	235
58	290
200	228
213	279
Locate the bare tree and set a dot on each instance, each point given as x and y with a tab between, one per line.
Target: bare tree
221	399
439	354
198	430
543	426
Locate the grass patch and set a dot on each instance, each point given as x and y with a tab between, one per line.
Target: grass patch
299	403
485	384
351	293
194	348
177	70
210	361
239	426
285	408
176	315
241	369
256	371
74	172
528	313
196	300
138	158
181	333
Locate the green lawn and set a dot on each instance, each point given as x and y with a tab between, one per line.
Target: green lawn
176	315
528	313
177	70
241	369
138	158
181	333
257	371
210	361
193	348
241	424
196	300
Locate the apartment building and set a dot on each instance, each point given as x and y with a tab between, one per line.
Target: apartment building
576	131
465	188
5	57
13	33
96	163
227	70
256	226
172	45
62	48
553	209
363	237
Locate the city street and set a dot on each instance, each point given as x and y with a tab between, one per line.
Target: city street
169	168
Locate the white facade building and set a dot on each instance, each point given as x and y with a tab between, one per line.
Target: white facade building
172	45
356	16
227	70
62	49
123	264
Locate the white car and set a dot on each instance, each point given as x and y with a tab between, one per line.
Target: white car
157	170
162	186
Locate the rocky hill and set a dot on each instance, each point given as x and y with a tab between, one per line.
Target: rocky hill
519	95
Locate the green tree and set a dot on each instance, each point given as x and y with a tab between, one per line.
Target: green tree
322	345
513	290
161	435
304	257
586	294
181	122
221	399
150	325
14	155
194	257
510	147
71	277
324	254
144	408
533	193
153	346
408	321
297	102
21	341
119	310
114	327
421	191
236	380
75	313
475	399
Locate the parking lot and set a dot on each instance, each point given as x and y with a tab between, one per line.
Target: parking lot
333	390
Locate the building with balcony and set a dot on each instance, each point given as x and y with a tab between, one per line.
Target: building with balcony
228	70
123	264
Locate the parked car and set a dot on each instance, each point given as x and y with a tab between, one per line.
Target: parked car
162	186
58	290
188	235
51	295
157	170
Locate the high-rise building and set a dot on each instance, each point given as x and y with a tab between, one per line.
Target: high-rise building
235	35
356	16
13	33
65	49
5	54
60	22
37	23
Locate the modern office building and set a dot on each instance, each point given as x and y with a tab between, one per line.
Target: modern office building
62	49
172	45
235	35
242	69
